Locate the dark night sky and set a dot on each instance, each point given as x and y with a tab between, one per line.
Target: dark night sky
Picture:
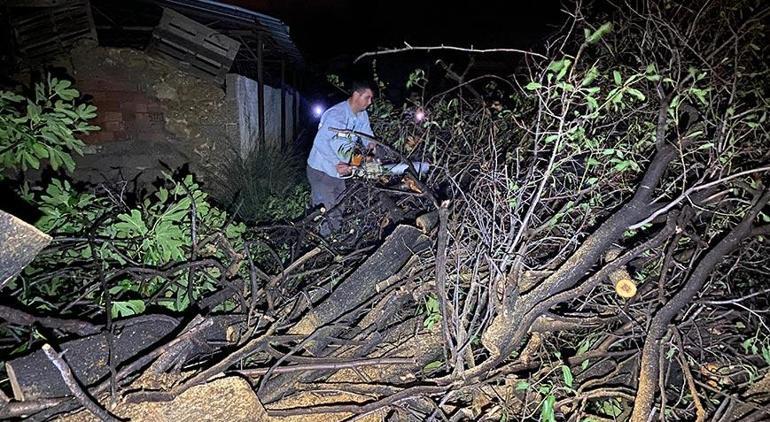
325	29
332	33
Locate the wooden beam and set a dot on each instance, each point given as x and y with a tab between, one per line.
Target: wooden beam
260	91
283	105
295	100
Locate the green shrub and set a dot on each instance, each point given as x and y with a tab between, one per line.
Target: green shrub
43	127
267	185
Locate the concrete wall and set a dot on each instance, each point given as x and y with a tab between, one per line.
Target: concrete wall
244	129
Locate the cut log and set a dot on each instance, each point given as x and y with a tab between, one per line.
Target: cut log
34	377
359	286
20	243
354	291
427	221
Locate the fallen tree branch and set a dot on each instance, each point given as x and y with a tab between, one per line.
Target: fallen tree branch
258	372
17	316
649	363
359	409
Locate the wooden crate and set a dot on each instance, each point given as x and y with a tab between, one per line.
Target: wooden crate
193	46
43	29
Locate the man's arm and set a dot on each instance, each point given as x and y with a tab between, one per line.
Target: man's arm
342	146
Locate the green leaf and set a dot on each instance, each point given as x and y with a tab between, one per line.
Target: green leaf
622	165
522	385
547	413
560	67
127	308
68	94
592	103
563	71
433	365
599	33
592	73
567	375
533	86
611	408
131	225
747	344
636	93
617	77
40	150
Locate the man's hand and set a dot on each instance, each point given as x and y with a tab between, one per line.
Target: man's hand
343	169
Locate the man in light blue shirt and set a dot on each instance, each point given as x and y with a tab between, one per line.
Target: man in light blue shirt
329	160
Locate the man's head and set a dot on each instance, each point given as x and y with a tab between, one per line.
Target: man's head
361	97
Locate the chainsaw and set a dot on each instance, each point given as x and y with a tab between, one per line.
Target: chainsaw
371	167
374	168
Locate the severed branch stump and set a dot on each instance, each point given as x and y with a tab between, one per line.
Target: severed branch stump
20	243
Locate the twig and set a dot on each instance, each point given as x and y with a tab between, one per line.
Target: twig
258	372
27	407
223	364
446	47
73	386
693	189
109	334
700	412
441	257
357	409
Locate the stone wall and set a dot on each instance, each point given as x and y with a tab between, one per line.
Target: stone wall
156	118
126	112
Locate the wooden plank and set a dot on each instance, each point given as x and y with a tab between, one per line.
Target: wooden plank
62	39
197	33
45	31
193	46
283	105
39	3
260	90
194	50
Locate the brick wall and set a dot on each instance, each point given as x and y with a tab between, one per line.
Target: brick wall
124	111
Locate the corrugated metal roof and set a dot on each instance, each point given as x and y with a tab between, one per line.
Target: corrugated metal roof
276	30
